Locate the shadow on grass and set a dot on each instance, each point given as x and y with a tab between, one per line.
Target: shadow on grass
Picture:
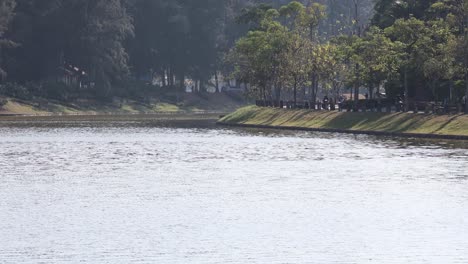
398	122
272	116
444	125
362	121
241	117
350	120
283	117
296	116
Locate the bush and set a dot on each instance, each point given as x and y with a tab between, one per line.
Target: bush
3	102
16	91
135	89
368	104
57	91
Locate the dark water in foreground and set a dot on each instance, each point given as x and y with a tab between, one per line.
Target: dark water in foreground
189	192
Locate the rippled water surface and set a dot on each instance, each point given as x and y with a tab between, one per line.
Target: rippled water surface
145	192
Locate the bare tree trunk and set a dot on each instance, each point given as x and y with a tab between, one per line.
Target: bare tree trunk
357	31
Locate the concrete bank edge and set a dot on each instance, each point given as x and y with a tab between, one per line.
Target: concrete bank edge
347	131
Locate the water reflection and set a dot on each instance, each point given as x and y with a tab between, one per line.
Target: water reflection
159	192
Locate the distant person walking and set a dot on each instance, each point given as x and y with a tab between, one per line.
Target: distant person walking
325	102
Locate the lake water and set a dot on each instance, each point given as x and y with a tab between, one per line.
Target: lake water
163	192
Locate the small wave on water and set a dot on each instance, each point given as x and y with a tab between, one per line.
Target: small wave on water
159	193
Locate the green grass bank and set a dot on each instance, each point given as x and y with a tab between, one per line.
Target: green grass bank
180	103
397	124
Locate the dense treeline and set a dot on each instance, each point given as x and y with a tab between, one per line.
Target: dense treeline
284	50
414	50
45	36
49	47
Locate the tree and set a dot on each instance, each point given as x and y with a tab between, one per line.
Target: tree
333	69
205	21
295	64
277	55
40	38
105	25
432	34
388	11
253	16
440	52
257	56
341	18
6	15
412	35
302	22
92	40
454	13
378	57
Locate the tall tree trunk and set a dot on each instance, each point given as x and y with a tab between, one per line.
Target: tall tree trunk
295	91
313	94
278	93
2	73
164	78
356	88
465	34
406	89
316	88
171	77
466	92
357	32
356	97
202	86
217	82
182	83
450	90
356	18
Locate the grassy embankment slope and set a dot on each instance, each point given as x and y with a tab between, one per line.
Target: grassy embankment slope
184	103
398	123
